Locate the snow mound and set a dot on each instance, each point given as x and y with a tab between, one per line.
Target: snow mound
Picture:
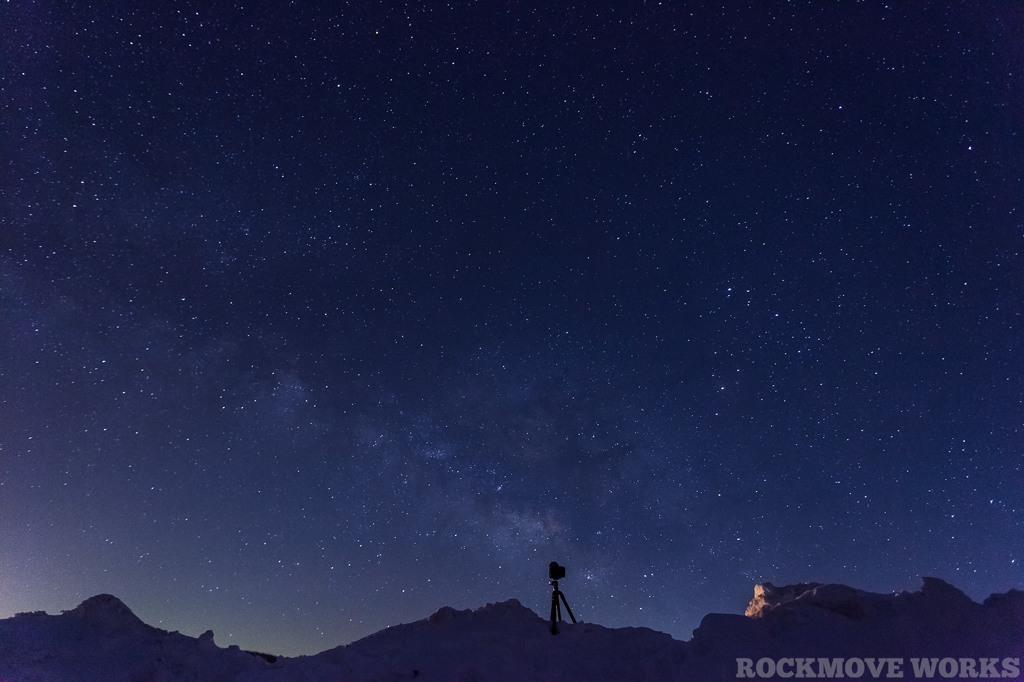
102	639
503	641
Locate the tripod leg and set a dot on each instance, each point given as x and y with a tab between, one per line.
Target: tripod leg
554	613
567	609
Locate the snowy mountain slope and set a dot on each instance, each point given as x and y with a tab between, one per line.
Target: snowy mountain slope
102	639
836	621
504	641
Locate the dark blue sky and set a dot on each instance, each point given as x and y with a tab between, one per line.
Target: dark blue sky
317	319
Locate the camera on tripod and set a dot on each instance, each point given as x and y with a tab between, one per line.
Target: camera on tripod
556	573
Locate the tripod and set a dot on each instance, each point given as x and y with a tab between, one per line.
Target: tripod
556	607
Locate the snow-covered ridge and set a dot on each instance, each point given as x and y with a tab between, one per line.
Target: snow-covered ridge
102	639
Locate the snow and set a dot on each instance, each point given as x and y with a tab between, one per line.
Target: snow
102	639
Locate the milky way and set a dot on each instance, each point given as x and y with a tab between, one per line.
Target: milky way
315	320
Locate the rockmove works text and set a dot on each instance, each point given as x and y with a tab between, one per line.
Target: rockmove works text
889	668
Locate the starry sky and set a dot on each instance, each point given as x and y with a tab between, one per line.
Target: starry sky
316	317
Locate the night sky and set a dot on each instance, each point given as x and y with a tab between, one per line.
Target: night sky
316	317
